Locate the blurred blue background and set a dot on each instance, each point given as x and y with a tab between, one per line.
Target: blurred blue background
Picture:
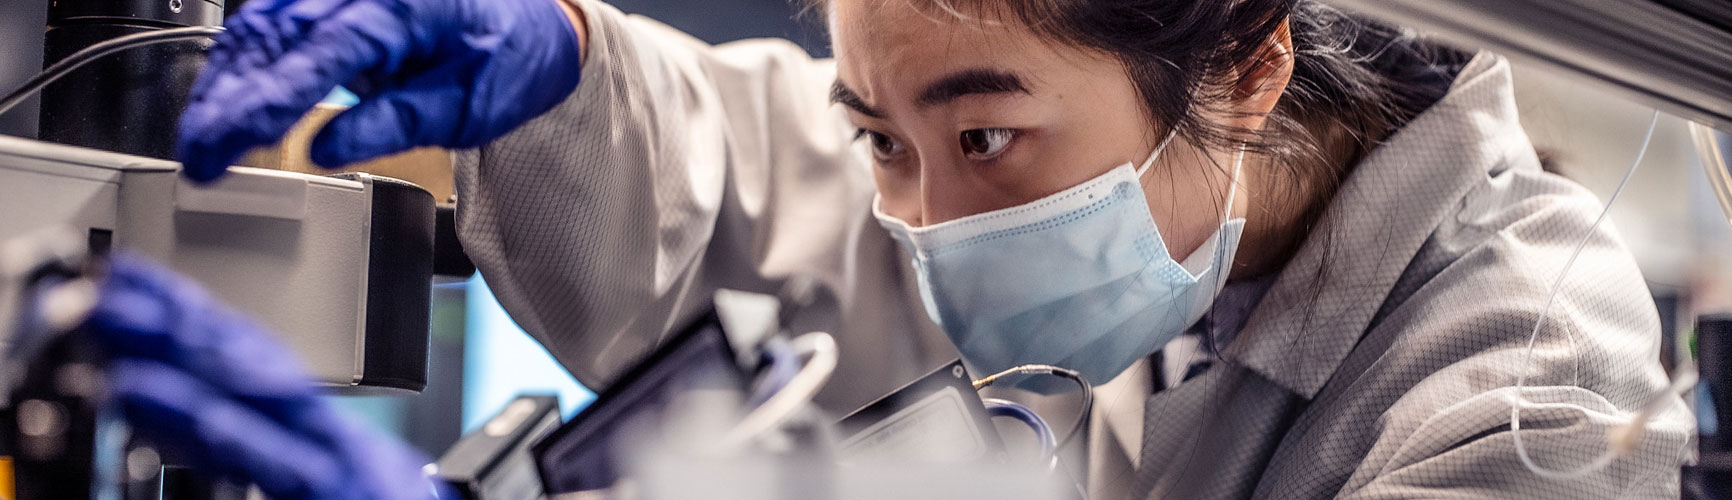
500	361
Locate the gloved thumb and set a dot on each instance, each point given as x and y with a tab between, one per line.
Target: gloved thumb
391	122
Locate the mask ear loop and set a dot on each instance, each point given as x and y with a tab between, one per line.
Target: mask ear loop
1221	236
1233	184
1215	264
1157	154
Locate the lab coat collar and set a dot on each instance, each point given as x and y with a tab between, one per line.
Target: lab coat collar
1326	297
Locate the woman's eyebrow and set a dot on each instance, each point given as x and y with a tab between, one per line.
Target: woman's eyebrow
949	88
970	82
841	94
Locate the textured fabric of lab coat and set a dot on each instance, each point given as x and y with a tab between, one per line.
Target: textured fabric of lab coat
1379	363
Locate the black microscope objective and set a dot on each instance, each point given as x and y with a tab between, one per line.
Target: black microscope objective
128	102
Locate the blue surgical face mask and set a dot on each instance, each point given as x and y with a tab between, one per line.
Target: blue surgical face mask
1080	279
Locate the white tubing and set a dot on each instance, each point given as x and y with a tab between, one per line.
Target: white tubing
820	348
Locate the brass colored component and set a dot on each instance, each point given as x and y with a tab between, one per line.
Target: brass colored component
430	168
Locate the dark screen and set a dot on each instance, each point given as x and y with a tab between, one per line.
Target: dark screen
584	454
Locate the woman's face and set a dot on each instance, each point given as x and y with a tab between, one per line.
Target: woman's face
969	116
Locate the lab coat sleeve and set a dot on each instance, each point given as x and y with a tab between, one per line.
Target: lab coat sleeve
1593	366
674	169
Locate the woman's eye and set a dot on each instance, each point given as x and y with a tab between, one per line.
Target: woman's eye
986	143
883	146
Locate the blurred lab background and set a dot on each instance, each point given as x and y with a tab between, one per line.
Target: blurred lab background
1668	216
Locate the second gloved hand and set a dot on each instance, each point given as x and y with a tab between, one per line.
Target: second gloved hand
216	391
451	73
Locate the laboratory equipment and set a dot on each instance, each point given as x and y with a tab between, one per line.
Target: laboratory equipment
588	453
1675	55
493	462
203	382
938	417
1082	384
1714	147
52	386
703	417
341	267
59	433
129	101
1713	476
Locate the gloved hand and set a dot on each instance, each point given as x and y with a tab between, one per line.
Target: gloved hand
211	388
451	73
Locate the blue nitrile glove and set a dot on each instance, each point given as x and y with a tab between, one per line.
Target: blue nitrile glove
451	73
213	389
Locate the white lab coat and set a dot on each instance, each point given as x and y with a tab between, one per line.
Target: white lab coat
677	168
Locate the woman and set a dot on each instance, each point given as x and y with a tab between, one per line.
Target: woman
1345	225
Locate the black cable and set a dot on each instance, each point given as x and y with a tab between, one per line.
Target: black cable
1088	404
94	52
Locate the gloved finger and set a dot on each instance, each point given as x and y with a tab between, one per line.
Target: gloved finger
387	123
261	31
267	30
250	41
145	311
150	312
237	105
195	422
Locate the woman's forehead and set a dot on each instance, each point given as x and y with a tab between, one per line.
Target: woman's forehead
898	23
894	46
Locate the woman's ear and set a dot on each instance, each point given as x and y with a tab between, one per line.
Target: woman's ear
1265	81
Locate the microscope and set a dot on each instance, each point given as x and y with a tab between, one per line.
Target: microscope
340	265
